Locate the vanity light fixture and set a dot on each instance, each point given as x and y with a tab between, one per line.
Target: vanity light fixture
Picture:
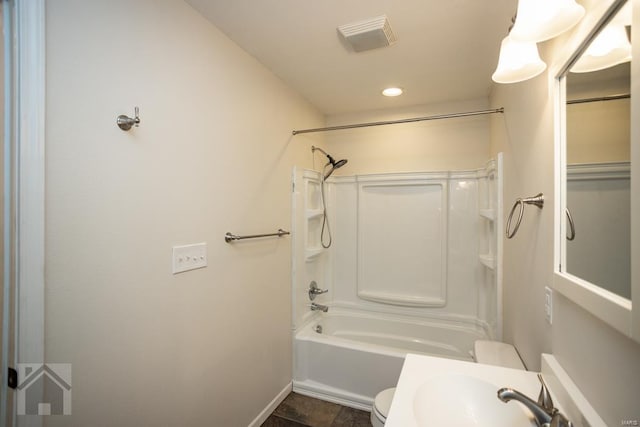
539	20
611	47
518	61
535	21
392	91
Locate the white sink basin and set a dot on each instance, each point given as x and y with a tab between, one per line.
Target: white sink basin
437	392
462	400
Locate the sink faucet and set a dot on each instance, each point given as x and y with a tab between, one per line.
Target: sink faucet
542	416
315	306
546	415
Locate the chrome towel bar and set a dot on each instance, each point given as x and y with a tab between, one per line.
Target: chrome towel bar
230	237
537	200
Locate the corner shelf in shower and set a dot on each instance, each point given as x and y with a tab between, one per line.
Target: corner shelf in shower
489	214
488	260
312	253
314	213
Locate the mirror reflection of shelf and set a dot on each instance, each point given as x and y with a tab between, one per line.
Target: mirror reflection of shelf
488	260
489	214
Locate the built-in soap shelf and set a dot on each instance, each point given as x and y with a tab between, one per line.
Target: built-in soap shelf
313	216
489	214
314	213
490	208
312	253
488	260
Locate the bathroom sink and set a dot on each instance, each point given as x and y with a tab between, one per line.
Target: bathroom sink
439	392
462	400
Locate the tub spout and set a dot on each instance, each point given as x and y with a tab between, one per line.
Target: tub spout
315	306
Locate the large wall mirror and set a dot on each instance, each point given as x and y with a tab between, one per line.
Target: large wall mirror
594	246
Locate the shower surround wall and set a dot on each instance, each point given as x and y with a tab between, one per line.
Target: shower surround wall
419	250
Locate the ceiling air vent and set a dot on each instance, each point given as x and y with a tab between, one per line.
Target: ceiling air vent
368	34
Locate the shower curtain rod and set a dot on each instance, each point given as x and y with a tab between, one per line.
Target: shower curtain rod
599	98
393	122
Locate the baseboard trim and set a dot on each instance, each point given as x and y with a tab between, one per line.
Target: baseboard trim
262	416
330	394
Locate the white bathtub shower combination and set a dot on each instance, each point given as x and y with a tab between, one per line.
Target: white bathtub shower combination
414	268
358	354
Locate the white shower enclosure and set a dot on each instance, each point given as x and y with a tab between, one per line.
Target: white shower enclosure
414	267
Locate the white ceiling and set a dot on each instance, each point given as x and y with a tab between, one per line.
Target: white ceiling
446	49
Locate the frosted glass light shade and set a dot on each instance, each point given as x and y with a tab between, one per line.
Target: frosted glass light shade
611	47
518	61
539	20
624	16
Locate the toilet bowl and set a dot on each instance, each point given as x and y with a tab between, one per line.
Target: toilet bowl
381	406
487	352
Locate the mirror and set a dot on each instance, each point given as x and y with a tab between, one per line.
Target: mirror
594	242
598	176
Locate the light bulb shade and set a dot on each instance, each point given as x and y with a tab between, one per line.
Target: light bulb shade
518	61
610	47
539	20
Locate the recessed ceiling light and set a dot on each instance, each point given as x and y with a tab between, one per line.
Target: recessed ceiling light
392	91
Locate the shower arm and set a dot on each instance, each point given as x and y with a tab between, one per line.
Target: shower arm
331	159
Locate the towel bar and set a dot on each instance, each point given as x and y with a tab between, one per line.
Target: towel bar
230	237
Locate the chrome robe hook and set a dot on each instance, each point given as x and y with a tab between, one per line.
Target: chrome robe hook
125	122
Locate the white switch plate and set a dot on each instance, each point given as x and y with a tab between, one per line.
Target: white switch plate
189	257
548	304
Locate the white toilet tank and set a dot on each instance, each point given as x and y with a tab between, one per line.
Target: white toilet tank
498	354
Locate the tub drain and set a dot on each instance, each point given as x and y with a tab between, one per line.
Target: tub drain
318	329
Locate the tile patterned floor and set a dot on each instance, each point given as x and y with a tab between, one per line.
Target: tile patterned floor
302	411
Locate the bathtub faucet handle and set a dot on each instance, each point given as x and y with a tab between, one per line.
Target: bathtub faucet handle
315	290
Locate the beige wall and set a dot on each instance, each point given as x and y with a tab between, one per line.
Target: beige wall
598	132
602	362
213	154
451	144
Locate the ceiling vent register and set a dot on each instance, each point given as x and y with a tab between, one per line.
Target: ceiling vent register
369	34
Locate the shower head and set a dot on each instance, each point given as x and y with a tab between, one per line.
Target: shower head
340	163
334	164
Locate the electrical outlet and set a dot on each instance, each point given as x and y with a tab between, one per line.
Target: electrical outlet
189	257
548	304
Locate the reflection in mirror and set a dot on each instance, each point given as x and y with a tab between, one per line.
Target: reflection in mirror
598	162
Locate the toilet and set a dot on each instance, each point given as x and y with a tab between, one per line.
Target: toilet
487	352
381	407
498	354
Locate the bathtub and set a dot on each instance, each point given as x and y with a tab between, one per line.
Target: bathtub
358	353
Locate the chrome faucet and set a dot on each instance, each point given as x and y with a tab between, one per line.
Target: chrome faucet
314	290
315	306
546	415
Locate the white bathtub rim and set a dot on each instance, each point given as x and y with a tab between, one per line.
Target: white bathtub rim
312	336
454	322
308	334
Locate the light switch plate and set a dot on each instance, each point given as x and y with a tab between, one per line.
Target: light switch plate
189	257
548	304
